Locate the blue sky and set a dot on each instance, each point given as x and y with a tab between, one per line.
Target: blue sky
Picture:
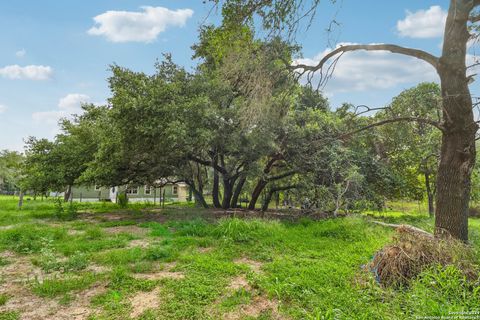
55	55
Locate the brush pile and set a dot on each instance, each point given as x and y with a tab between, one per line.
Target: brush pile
414	250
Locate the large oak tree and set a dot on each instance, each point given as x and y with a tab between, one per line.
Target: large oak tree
458	126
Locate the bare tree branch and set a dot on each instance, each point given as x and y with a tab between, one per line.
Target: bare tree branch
419	54
393	120
474	19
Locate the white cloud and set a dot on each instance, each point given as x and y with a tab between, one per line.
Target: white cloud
373	70
3	108
73	101
21	53
31	72
423	23
68	105
145	26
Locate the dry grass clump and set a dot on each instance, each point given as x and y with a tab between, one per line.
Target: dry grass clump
412	252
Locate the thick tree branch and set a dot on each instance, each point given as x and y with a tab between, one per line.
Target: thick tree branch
393	120
405	226
281	176
419	54
208	164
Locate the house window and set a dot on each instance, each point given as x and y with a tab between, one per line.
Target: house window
97	188
148	190
175	190
132	191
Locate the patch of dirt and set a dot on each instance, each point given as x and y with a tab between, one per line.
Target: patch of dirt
205	250
259	305
7	254
139	243
255	266
132	229
32	307
239	283
144	301
92	217
158	275
80	308
19	270
73	232
23	301
169	214
168	266
16	277
95	268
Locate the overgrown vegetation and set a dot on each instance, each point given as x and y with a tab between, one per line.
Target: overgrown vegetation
204	269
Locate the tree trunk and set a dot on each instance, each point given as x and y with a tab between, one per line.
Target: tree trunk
20	200
238	190
227	192
216	201
257	191
457	156
199	198
429	194
268	198
67	193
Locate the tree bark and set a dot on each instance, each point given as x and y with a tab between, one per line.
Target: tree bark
430	197
228	184
199	198
262	182
238	190
257	191
20	200
457	155
67	193
215	199
268	197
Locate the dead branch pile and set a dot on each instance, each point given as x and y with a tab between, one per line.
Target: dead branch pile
414	250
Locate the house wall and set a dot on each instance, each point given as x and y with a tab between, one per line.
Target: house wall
88	193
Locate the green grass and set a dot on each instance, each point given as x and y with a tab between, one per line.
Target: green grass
312	268
55	287
9	315
3	299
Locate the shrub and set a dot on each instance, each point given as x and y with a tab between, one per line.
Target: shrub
122	200
78	261
49	260
63	213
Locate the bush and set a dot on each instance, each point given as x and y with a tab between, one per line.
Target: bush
63	213
122	200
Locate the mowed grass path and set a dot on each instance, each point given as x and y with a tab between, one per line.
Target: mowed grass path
176	263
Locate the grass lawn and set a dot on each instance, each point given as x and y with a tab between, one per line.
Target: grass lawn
187	263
